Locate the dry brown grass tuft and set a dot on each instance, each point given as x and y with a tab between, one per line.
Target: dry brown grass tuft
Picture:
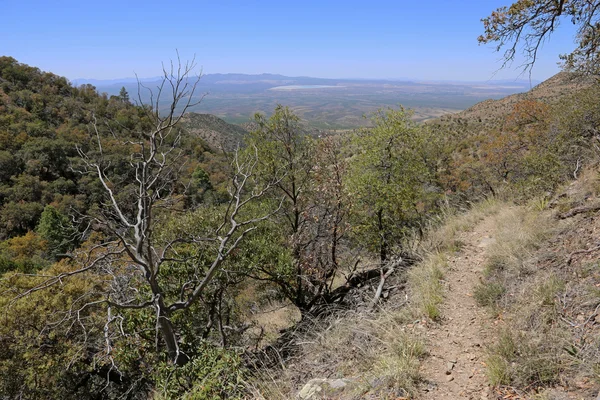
426	288
584	190
531	349
377	351
443	233
518	233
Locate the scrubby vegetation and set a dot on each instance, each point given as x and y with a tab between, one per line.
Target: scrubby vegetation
135	257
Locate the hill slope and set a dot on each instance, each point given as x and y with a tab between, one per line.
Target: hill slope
489	112
219	134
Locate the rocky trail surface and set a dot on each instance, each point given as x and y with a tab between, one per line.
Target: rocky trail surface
455	367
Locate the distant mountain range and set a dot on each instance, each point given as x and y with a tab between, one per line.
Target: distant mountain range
323	103
277	78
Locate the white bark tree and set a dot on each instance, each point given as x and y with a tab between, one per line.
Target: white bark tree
132	256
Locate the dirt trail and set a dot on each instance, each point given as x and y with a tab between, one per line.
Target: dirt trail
455	369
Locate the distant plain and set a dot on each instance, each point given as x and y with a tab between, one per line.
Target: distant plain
327	103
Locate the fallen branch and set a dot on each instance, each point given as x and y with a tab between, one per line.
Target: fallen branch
384	276
380	287
579	210
588	251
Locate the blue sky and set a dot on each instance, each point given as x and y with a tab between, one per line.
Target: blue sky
423	39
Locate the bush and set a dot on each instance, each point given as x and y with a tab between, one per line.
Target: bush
215	373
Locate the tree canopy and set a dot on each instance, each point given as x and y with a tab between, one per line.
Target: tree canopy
526	24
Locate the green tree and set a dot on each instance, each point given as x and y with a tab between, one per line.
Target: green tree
299	248
25	254
56	229
390	182
285	155
123	95
198	187
526	24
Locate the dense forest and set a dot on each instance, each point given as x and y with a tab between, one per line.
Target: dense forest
133	254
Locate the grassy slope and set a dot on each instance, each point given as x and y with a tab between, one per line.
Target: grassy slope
540	288
541	285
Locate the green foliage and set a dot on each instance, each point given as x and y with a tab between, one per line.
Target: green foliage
123	95
200	188
26	254
215	374
285	156
37	361
16	218
527	154
390	180
57	231
301	248
528	23
63	341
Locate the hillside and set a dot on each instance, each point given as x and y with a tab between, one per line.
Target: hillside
219	134
404	260
504	305
490	112
504	302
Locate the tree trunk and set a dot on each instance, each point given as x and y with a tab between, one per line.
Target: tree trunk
383	245
168	333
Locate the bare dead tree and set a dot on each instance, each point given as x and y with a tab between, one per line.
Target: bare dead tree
130	256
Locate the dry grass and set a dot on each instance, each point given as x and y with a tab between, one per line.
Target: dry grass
530	351
381	350
584	190
487	294
523	359
440	242
443	234
518	233
268	323
377	351
425	287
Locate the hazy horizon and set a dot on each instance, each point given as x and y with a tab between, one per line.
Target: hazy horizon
133	79
399	79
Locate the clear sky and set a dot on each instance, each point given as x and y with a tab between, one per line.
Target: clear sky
422	39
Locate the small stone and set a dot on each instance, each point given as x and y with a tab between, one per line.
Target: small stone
449	378
449	368
318	388
486	393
